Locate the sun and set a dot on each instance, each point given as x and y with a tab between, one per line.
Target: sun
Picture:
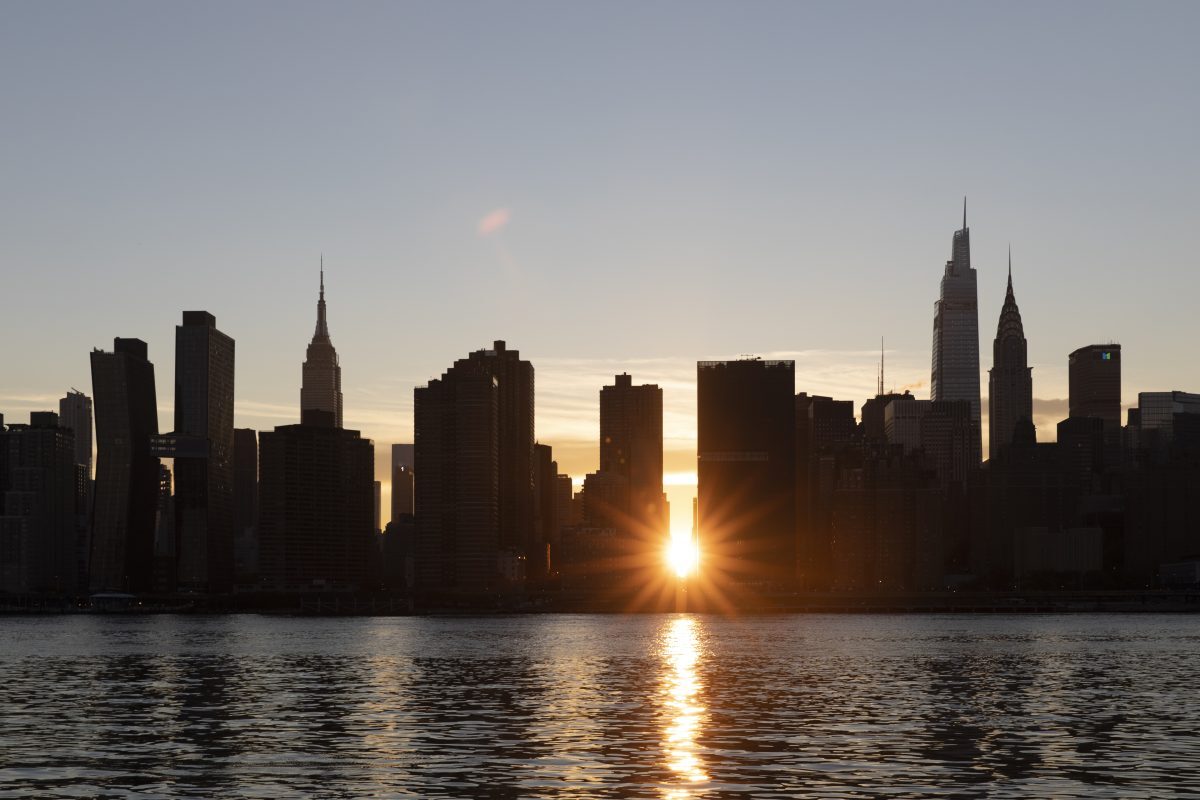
683	555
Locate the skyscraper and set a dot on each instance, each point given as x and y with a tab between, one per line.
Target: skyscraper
317	506
204	359
321	389
75	412
631	445
955	373
1010	380
1094	383
746	420
126	496
245	504
474	431
402	480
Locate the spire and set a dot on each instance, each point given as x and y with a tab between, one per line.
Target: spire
322	331
1010	291
964	227
881	365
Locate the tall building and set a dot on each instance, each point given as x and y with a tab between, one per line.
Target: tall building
75	412
457	448
955	373
403	483
316	506
37	525
474	429
321	389
631	445
1094	383
1010	380
245	504
746	419
125	501
204	365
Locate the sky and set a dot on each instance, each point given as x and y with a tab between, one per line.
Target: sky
609	187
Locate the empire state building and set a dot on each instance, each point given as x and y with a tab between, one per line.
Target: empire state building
321	389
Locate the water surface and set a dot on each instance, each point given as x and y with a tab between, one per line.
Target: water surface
601	706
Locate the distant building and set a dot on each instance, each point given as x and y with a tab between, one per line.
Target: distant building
321	389
378	505
1095	383
1010	380
955	374
746	469
403	480
75	412
943	430
316	507
245	504
1157	412
547	524
204	368
38	545
125	500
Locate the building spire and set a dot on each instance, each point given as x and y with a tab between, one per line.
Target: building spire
322	331
964	227
881	365
1010	291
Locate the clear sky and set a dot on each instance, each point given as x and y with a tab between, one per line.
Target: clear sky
607	186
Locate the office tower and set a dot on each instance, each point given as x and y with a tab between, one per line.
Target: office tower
37	526
631	446
403	483
746	418
75	412
321	389
378	491
457	451
164	534
955	373
1158	412
316	506
126	490
1095	383
545	513
245	504
1010	380
204	359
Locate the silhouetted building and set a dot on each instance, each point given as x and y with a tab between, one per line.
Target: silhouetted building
321	389
75	413
457	448
316	507
1010	380
204	368
747	469
1158	413
1095	383
402	480
126	489
164	534
378	506
546	521
955	373
38	542
245	504
825	428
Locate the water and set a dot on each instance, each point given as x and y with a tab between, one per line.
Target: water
601	706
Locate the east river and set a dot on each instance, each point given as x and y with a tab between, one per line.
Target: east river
671	706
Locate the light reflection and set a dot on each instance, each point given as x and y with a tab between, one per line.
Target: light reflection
682	693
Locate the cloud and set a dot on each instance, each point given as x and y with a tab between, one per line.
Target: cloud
494	222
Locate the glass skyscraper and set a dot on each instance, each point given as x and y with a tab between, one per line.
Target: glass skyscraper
955	373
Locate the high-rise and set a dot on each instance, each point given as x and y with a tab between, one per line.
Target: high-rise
75	412
474	458
955	374
1010	380
746	421
631	445
1094	383
125	504
321	389
204	359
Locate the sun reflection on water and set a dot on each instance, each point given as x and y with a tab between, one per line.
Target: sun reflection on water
681	695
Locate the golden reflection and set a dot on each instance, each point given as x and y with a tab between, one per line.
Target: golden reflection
682	693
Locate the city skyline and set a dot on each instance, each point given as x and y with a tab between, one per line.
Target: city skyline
728	204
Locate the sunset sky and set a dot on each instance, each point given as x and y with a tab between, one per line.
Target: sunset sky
612	187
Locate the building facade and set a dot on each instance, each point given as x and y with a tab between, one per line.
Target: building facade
955	374
125	501
204	369
1095	383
